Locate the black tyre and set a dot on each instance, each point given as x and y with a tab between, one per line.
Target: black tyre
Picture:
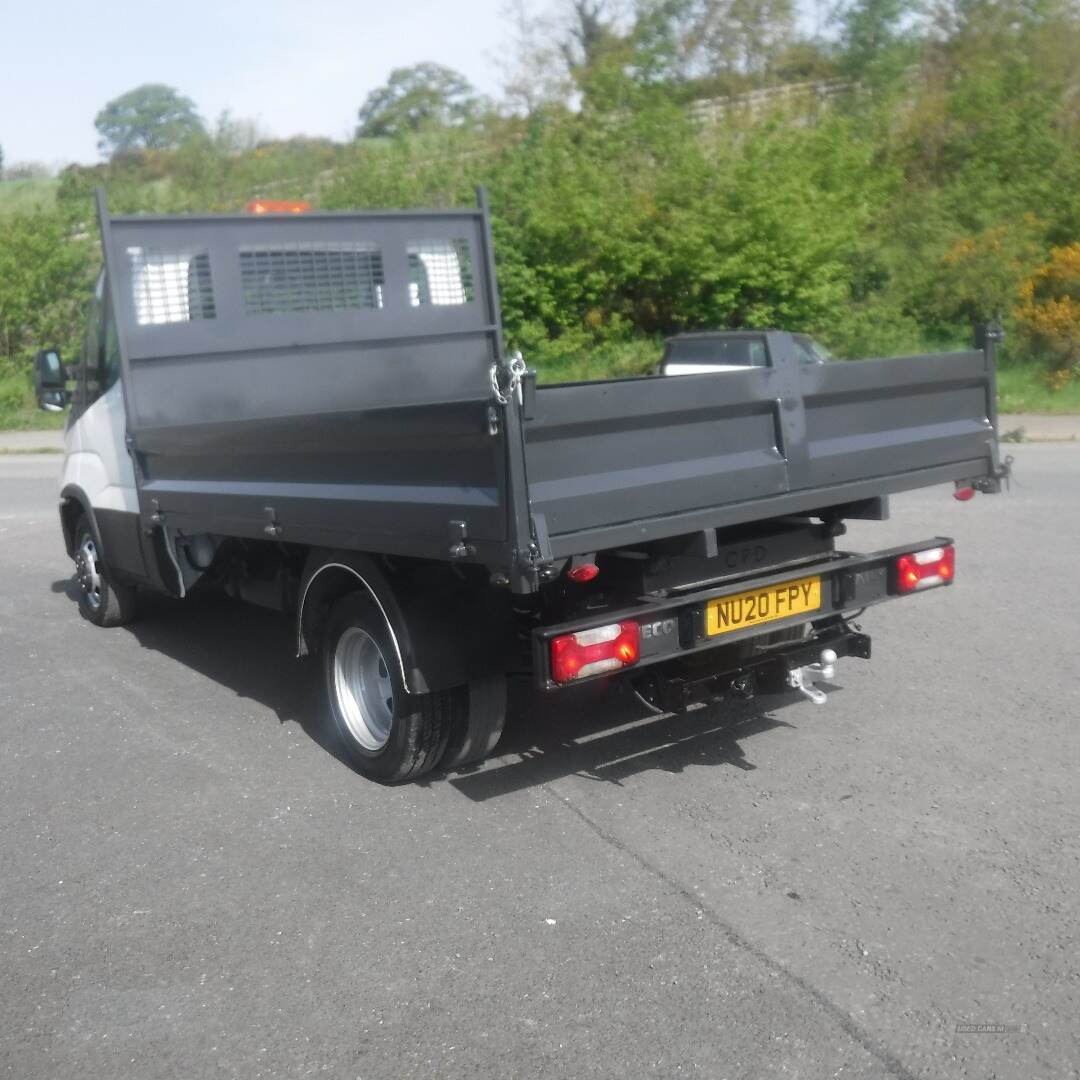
479	726
101	601
387	734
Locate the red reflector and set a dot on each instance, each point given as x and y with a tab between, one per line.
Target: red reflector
584	572
963	494
592	652
924	569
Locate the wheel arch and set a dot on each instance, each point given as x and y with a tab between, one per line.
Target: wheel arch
330	575
74	502
445	632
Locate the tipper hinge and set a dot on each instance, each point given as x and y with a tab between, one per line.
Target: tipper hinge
1002	474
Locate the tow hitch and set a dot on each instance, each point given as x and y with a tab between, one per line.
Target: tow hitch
796	667
803	678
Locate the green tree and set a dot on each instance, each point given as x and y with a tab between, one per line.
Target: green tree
415	97
589	34
877	38
719	42
533	74
582	47
745	36
150	117
662	33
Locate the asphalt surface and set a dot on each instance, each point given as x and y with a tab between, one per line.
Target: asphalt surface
192	885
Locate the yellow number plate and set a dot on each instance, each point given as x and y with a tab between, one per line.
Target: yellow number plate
727	613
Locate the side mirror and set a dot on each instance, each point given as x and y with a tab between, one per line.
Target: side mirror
50	380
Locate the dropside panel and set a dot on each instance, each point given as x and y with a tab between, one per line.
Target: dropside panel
616	463
607	452
879	417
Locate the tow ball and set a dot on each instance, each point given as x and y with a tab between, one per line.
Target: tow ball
803	678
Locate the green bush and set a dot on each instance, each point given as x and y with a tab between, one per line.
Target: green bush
47	265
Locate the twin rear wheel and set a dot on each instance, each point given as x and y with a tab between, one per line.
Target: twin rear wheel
387	733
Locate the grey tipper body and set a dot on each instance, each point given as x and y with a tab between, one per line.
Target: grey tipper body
300	406
370	427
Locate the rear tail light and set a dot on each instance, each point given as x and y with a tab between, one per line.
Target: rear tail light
592	652
583	573
925	569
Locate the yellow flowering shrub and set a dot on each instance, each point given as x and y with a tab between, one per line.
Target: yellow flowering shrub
978	276
1048	313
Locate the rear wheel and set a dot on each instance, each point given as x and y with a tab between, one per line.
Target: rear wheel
478	727
387	733
101	601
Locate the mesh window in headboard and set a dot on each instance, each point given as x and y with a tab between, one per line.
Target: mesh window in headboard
170	286
311	276
440	273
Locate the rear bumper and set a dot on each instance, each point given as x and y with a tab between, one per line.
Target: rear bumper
674	628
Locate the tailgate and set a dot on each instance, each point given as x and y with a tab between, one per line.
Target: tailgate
618	462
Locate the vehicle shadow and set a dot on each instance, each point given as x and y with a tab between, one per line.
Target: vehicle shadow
609	737
599	731
249	650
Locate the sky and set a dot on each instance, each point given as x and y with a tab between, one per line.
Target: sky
295	66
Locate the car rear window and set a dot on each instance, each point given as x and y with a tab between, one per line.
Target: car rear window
730	352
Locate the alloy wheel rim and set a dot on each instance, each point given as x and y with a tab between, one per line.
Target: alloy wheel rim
363	691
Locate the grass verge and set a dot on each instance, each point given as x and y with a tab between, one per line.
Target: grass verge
18	409
558	363
1024	390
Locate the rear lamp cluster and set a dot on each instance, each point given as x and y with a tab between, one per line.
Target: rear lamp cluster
584	573
925	569
592	652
